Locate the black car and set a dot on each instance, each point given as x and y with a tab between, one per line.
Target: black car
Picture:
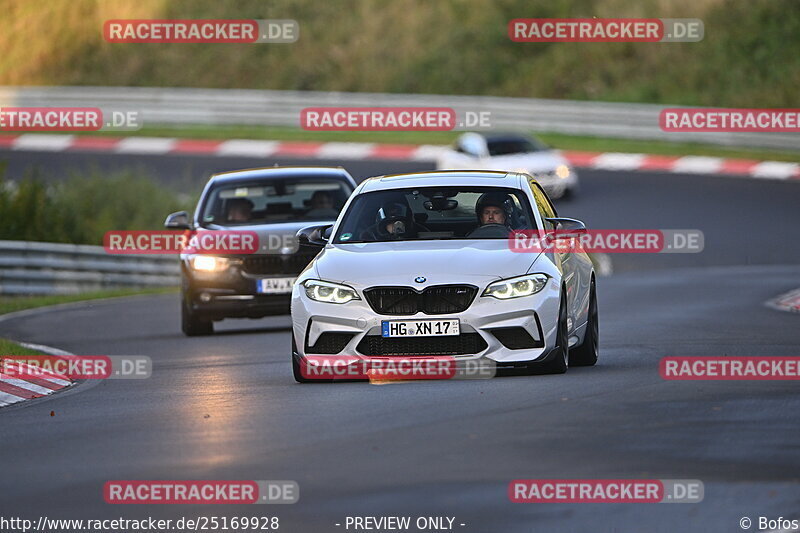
274	203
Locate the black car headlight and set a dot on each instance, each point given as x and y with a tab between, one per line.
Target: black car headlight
209	263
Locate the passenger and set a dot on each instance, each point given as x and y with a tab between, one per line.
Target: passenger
322	206
239	210
393	221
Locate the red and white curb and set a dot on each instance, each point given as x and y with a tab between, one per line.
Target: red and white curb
407	152
14	389
786	302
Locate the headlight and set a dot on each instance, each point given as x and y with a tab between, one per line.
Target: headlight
324	291
563	171
209	263
516	287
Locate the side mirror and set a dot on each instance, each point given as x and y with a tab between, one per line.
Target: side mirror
567	228
314	235
179	220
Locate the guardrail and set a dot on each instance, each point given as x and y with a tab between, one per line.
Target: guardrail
183	106
53	268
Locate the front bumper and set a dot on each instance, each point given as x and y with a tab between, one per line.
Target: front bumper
232	293
490	328
556	187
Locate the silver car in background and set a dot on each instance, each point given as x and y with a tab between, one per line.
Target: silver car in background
512	152
433	249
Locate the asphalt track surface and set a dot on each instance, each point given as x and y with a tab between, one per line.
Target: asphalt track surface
226	407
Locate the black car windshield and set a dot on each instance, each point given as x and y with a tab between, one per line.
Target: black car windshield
273	201
431	213
507	146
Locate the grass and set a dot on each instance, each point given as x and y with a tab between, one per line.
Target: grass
12	348
556	140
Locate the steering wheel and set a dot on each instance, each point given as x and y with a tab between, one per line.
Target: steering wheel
489	231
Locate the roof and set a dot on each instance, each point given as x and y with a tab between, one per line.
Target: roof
249	174
444	178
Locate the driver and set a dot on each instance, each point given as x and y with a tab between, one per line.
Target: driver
393	222
494	208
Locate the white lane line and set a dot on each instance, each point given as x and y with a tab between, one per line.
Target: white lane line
774	170
43	143
144	145
44	348
618	161
698	165
344	150
247	148
428	152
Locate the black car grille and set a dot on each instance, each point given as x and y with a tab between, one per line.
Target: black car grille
276	264
466	343
330	342
436	300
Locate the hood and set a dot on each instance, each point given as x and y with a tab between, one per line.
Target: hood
440	262
531	162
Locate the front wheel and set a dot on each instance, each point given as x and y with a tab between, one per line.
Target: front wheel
191	325
586	353
558	364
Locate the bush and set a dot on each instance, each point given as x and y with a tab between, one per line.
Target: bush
81	209
748	57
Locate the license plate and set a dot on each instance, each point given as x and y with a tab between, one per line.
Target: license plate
275	285
420	328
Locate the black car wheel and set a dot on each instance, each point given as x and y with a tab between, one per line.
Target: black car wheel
191	324
586	353
560	355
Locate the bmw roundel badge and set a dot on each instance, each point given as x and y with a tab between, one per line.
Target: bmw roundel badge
420	279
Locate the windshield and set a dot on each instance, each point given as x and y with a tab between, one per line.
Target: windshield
513	146
431	213
274	201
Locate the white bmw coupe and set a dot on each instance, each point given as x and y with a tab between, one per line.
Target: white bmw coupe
514	153
422	265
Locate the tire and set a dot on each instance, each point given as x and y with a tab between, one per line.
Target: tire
586	353
191	325
558	364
